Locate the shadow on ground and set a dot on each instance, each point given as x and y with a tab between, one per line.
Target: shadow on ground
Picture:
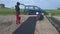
55	23
28	27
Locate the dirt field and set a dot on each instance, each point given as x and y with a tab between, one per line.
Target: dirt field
57	17
28	25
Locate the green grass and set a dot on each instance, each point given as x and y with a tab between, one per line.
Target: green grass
53	12
8	11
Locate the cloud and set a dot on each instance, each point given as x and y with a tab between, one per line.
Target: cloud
40	3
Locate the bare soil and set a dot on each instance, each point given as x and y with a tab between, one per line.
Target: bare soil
8	25
57	17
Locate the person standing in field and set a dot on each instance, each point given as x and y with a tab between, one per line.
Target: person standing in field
17	13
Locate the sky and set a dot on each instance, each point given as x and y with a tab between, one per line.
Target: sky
44	4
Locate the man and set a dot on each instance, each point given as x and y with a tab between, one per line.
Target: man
17	13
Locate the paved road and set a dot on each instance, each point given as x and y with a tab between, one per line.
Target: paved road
28	25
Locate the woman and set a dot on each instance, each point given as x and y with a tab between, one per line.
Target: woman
17	13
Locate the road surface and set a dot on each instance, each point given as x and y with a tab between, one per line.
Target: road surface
28	25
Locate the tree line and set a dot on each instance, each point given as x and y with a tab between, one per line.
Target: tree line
2	5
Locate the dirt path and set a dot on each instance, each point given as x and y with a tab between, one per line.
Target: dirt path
45	27
7	25
57	17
